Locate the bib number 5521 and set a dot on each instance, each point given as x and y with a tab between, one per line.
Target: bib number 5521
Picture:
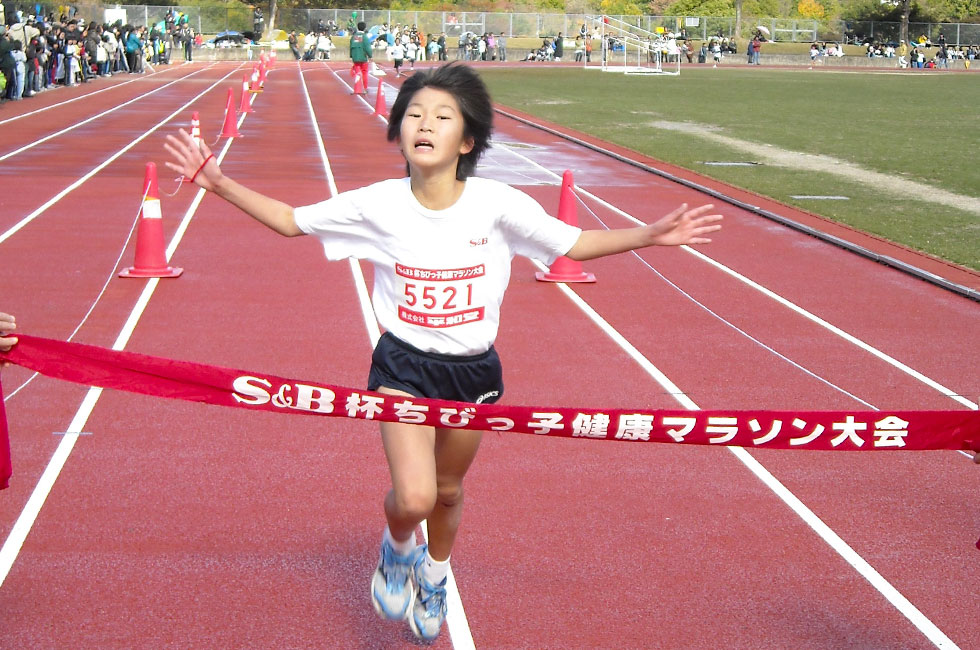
431	297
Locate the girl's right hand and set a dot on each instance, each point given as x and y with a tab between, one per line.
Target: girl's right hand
194	162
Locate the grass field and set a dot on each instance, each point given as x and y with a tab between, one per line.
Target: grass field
901	147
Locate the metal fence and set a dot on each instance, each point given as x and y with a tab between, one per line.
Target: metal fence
881	32
201	19
238	17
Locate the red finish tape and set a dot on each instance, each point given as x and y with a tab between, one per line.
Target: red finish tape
812	430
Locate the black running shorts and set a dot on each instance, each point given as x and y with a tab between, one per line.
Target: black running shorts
476	379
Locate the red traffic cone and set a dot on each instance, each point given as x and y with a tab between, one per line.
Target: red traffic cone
151	258
565	269
262	73
230	128
380	106
358	82
246	104
196	128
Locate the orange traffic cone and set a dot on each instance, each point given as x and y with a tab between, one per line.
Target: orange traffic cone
565	269
255	86
151	258
246	104
358	82
196	128
380	106
230	128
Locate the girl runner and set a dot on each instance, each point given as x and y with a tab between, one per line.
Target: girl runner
441	241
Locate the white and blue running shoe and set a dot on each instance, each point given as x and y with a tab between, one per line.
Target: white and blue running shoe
392	587
429	609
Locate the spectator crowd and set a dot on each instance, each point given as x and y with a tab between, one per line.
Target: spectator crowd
396	42
919	53
39	52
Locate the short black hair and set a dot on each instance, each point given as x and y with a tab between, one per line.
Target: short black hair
465	85
361	25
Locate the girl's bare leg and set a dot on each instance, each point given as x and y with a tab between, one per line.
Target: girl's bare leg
455	450
411	462
427	467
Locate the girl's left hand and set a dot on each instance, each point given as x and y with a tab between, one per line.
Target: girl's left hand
683	226
7	325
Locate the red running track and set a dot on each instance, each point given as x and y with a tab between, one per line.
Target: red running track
187	525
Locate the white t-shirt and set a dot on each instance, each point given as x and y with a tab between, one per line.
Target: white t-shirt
439	275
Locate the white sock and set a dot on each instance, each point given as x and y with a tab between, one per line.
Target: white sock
400	547
433	570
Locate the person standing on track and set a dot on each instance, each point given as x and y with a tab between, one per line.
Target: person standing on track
360	54
441	241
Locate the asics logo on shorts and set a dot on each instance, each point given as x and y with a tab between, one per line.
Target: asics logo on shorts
485	396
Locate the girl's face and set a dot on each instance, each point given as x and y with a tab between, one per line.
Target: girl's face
431	134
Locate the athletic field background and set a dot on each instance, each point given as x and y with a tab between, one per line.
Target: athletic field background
914	127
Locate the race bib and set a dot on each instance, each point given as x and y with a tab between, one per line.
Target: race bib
439	297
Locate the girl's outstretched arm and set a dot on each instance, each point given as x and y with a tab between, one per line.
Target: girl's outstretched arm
682	226
198	164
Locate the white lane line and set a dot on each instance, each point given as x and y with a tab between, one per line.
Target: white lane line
900	602
781	300
109	278
892	361
60	195
97	116
736	328
75	99
456	621
25	521
363	98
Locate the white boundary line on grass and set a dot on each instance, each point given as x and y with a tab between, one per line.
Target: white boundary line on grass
25	521
459	627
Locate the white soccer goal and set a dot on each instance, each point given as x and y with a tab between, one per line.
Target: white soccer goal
632	50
